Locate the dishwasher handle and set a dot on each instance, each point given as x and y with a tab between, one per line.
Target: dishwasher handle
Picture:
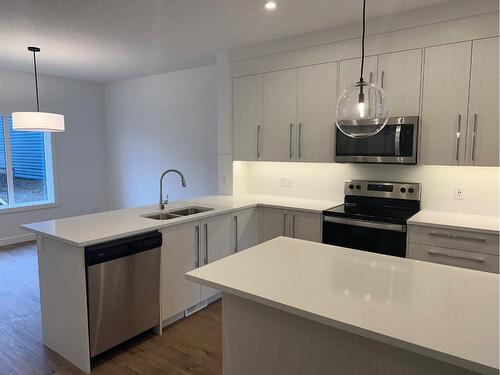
123	247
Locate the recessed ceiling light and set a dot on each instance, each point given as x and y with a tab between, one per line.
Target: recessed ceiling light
270	5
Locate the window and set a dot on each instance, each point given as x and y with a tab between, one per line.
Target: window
25	167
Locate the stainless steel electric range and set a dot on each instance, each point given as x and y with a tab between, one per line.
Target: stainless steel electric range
373	216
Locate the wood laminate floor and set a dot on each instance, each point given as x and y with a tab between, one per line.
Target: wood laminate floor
191	346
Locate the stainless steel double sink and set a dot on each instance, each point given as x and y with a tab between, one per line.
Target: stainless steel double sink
174	214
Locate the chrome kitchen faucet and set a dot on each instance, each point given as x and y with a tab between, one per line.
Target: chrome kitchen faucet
183	182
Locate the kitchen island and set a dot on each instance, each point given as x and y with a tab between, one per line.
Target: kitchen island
298	307
62	244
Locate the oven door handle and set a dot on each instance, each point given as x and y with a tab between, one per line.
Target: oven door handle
366	224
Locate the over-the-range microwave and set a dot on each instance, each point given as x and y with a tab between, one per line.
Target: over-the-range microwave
396	143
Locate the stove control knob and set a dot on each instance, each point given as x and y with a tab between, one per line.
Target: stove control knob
358	187
351	186
411	190
402	190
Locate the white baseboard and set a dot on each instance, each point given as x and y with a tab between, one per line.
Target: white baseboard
17	239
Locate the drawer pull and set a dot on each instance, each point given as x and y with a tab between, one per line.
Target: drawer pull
439	253
455	237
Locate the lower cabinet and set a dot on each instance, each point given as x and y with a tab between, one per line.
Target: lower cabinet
275	222
244	229
196	243
454	247
186	247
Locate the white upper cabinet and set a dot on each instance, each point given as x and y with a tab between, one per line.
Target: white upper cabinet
482	134
279	115
247	117
350	70
444	106
316	102
399	75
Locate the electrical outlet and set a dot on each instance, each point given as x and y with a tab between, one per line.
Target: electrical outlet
459	192
283	181
289	182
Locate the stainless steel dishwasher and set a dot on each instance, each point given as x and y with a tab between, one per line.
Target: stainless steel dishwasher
123	289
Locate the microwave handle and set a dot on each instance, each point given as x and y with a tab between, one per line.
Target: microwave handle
397	141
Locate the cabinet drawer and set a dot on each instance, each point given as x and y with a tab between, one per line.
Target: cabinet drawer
451	257
454	239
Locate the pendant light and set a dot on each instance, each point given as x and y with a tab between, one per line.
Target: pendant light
37	121
363	108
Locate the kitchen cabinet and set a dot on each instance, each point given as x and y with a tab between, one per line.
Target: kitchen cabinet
454	247
274	222
444	104
244	229
271	223
247	117
216	244
279	115
349	72
179	254
305	225
186	247
316	100
399	75
483	124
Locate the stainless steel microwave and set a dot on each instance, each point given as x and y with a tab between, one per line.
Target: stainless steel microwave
396	143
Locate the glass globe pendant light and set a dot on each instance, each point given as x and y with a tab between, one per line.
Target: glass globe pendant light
37	121
363	108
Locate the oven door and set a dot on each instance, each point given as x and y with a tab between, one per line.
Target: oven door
377	237
396	143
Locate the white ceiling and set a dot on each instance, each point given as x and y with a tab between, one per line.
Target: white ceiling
109	40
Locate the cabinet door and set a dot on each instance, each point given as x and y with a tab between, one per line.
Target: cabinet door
216	244
399	76
247	116
444	107
306	225
244	229
349	71
316	101
180	253
272	223
280	113
482	134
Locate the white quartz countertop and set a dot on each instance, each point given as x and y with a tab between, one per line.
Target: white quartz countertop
95	228
454	220
443	312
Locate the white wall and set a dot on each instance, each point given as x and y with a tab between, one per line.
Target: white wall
79	155
159	122
326	181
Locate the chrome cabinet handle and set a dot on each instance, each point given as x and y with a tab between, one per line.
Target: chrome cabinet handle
382	79
293	226
455	256
291	132
284	224
197	239
474	133
371	77
459	126
258	141
205	260
235	234
455	237
300	140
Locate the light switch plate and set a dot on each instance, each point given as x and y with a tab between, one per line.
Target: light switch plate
459	192
283	181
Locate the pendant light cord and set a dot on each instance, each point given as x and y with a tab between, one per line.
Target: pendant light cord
36	82
363	42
